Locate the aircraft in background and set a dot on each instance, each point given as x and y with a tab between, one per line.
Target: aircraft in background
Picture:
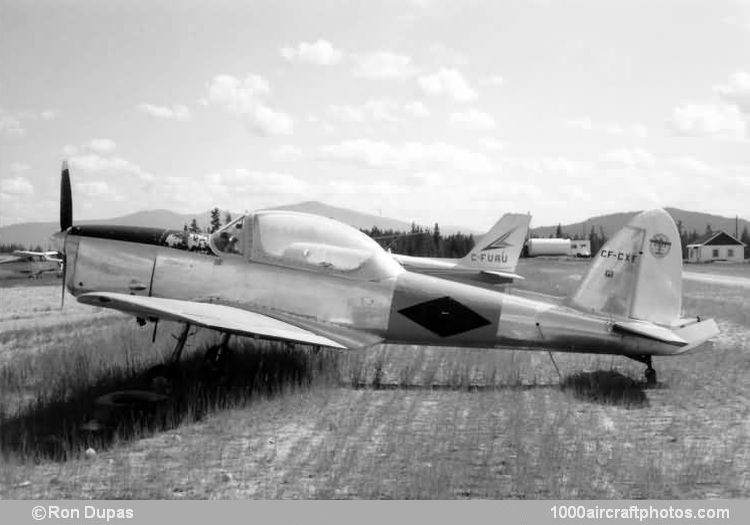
307	279
23	263
492	260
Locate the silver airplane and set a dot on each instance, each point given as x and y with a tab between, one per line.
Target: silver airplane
492	260
30	264
307	279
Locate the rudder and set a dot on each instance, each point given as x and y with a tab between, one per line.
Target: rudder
500	248
638	273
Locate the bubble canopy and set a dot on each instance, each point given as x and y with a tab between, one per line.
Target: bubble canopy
305	241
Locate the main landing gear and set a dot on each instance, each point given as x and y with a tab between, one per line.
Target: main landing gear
650	373
165	378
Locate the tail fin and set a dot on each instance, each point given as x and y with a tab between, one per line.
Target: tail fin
638	273
499	249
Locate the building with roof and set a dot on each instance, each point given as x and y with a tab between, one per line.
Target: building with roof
716	246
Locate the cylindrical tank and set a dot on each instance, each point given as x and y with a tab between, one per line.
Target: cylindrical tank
548	247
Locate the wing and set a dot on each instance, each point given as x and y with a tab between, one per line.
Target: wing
215	316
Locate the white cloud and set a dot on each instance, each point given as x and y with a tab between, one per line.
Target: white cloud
716	119
383	65
416	109
97	146
491	144
472	119
611	128
102	145
629	158
377	110
726	115
689	164
495	80
321	53
245	98
447	82
736	91
175	112
235	189
10	125
287	152
97	190
410	155
16	186
245	181
94	163
18	168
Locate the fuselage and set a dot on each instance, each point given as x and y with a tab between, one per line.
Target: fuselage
400	307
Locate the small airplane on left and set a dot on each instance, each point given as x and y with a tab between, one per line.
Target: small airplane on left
23	263
307	279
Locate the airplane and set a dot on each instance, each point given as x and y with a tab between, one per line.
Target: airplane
23	263
300	278
492	260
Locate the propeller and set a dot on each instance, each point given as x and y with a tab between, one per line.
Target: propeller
66	199
66	221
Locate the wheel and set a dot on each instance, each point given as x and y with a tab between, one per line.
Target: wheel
650	376
163	379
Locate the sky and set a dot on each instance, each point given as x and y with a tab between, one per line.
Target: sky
428	110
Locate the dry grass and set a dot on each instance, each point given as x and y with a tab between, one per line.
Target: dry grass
390	422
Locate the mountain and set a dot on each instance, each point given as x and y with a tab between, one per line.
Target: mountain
691	221
31	234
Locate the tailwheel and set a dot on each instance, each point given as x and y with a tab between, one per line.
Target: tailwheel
650	372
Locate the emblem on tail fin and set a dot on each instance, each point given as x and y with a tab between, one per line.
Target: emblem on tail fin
659	245
500	242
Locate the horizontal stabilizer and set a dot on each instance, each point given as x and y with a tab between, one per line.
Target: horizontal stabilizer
650	331
697	333
503	275
215	316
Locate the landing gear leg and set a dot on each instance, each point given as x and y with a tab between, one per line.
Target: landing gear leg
217	354
650	375
164	378
217	359
650	372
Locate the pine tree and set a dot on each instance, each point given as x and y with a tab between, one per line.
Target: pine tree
745	237
558	231
437	240
194	228
215	220
227	218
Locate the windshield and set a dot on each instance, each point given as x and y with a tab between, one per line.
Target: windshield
229	239
314	242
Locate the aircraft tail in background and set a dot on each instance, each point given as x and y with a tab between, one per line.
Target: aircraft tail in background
497	252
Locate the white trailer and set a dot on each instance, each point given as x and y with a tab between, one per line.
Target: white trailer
537	247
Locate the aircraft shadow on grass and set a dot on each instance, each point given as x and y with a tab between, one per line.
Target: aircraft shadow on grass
607	387
119	406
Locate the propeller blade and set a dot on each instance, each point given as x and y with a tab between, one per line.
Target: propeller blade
66	199
64	273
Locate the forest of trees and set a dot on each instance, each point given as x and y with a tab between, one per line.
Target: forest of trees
423	242
12	247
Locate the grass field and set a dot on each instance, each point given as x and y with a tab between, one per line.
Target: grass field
390	422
